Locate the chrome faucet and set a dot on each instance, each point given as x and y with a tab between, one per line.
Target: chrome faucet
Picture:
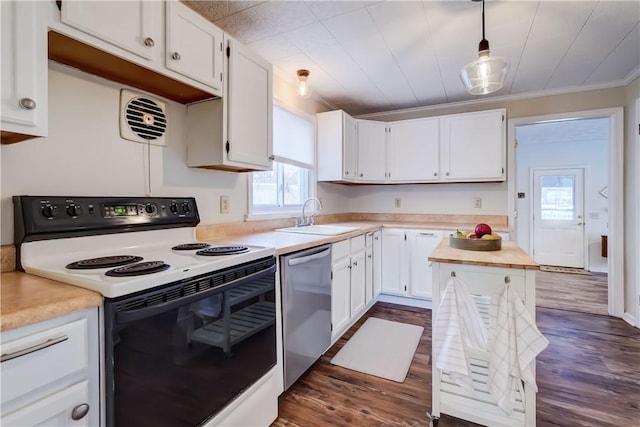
304	221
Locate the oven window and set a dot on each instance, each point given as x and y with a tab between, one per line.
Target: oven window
181	366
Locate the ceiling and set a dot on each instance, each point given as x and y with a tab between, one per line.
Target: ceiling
374	56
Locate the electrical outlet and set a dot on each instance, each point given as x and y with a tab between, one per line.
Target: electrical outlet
224	204
398	202
477	202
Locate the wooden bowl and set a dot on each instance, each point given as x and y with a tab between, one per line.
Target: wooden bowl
475	244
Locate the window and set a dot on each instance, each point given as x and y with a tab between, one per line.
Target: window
284	188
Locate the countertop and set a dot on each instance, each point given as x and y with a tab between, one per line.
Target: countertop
510	256
285	242
26	299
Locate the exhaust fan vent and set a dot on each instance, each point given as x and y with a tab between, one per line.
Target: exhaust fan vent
142	118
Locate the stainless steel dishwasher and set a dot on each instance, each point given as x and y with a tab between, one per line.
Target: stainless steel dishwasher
306	309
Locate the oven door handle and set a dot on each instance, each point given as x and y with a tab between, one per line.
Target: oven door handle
142	313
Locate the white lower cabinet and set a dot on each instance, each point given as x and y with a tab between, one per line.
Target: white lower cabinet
421	244
50	372
406	270
352	281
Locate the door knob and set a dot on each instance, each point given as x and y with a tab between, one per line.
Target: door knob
149	42
175	56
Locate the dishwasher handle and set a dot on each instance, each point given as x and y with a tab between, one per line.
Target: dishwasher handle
309	258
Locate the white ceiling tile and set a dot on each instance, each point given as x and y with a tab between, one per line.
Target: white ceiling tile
275	47
625	56
311	37
356	24
607	26
215	10
285	15
328	9
367	55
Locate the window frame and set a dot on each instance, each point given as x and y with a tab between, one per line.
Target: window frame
289	211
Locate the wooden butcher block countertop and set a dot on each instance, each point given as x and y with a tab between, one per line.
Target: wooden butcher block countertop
26	299
510	256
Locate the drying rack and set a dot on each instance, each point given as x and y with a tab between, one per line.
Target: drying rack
478	406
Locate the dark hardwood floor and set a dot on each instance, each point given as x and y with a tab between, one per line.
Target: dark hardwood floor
588	376
574	292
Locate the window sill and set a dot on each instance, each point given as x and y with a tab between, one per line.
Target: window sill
259	216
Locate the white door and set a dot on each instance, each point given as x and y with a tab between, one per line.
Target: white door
372	143
558	217
394	264
413	150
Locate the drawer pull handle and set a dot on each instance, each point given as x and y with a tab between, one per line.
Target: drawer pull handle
175	56
79	411
427	234
507	279
149	42
48	343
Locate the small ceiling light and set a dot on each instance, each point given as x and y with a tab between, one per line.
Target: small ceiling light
486	74
303	88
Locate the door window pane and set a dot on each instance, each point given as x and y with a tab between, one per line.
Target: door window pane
557	194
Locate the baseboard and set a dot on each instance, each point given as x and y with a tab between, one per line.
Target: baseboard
630	319
599	270
413	302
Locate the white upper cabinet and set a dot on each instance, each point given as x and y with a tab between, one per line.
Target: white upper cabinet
194	45
249	107
413	150
473	146
235	133
456	148
135	26
372	148
23	111
336	146
162	47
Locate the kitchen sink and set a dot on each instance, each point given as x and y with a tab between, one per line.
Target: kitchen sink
324	230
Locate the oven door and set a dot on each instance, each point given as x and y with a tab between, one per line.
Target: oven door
182	352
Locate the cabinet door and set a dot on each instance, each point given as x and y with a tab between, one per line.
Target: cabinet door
350	145
193	46
135	26
413	150
377	263
421	244
372	142
368	277
474	146
54	410
340	291
24	72
393	276
358	282
250	108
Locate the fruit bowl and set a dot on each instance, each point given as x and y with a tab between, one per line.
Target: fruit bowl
475	244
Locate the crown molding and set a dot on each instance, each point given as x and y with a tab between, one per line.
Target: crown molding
634	74
491	100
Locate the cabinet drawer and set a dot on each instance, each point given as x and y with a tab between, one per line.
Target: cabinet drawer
357	243
340	250
41	358
54	410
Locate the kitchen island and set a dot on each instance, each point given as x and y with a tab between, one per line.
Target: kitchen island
484	273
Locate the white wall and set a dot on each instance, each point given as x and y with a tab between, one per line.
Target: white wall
84	155
430	198
548	152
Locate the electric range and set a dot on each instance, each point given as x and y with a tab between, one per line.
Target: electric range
188	327
156	235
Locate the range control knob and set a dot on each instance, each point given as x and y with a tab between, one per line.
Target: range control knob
150	209
72	211
48	211
186	208
174	208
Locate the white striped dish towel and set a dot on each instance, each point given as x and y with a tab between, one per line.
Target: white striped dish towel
457	327
514	344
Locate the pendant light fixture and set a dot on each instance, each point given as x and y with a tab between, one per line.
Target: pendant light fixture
486	74
303	88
